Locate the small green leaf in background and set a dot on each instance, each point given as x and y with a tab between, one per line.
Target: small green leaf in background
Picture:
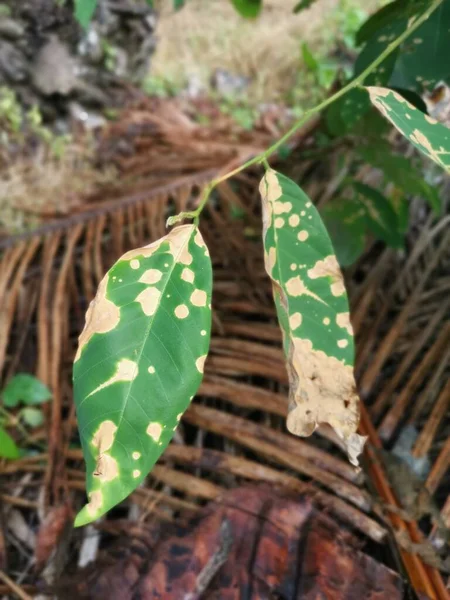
140	362
249	9
303	5
313	313
427	134
33	417
380	215
8	447
400	171
178	4
26	389
345	221
84	11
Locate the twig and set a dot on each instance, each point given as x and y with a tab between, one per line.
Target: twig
14	587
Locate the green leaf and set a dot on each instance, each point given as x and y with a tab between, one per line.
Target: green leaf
84	11
33	417
345	221
140	362
309	59
303	5
381	216
427	135
313	313
400	171
25	388
178	4
8	447
383	17
423	59
249	9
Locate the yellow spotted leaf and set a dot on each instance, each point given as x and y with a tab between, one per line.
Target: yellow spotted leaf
313	313
427	134
140	362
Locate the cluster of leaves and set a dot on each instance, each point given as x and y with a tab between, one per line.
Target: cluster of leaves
20	402
142	352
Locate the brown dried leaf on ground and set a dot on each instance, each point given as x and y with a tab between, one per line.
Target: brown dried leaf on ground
50	533
252	543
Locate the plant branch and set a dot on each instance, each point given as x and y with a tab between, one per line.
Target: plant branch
354	83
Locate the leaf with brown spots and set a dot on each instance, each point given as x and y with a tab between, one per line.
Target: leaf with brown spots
140	361
313	312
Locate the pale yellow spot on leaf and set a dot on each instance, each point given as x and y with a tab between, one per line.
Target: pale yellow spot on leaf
126	370
302	235
326	321
293	266
136	455
329	267
342	343
181	311
136	473
151	276
151	369
295	320
203	332
102	316
154	430
294	220
296	287
282	207
149	300
187	275
200	363
95	503
104	436
279	222
198	298
135	264
343	320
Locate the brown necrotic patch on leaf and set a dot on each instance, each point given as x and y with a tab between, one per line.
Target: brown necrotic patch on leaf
102	316
104	436
106	468
322	390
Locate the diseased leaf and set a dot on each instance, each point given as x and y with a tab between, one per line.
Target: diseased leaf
25	388
427	134
313	312
381	217
140	362
84	11
249	9
8	447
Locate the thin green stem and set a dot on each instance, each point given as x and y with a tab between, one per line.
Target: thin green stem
354	83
